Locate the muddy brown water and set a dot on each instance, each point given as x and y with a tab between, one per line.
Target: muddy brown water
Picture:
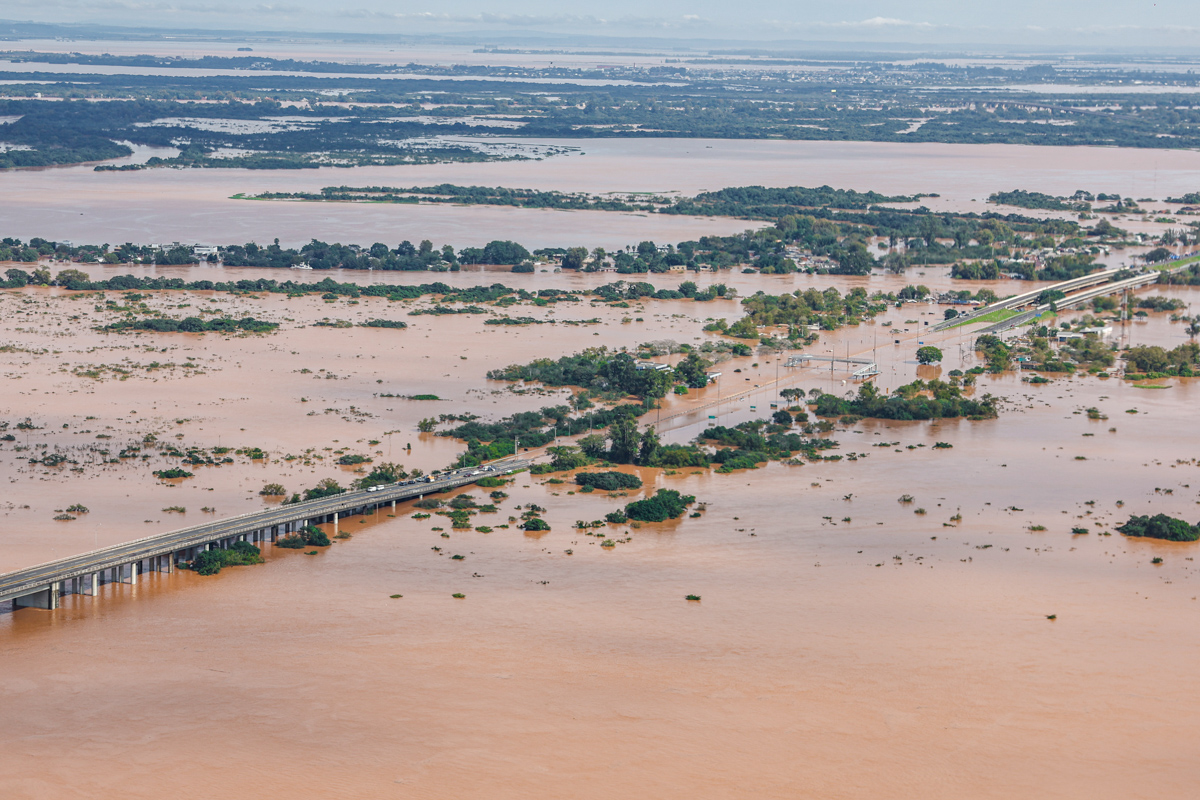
164	205
843	646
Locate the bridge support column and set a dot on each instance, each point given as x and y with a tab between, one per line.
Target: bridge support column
335	523
393	506
133	573
47	599
93	584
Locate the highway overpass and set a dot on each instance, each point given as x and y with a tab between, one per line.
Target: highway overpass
1071	301
1025	298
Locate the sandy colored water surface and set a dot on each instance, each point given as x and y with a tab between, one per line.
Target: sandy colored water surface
161	205
843	647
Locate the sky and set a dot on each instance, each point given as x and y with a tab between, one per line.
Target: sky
1099	23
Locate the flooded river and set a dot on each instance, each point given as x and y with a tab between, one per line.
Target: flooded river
843	646
167	205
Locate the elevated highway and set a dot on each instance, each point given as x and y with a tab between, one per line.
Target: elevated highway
42	586
1071	301
1025	298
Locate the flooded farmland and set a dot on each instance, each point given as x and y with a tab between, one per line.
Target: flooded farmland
843	646
165	205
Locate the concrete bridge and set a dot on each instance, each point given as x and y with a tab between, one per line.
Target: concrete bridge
43	585
1024	299
1070	301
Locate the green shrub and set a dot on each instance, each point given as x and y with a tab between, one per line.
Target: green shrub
173	473
308	536
210	562
665	504
1160	526
314	536
490	482
609	481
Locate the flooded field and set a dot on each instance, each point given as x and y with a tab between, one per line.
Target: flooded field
843	646
165	205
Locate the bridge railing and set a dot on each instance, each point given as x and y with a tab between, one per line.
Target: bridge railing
37	577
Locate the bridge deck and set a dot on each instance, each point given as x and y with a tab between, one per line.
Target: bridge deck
41	577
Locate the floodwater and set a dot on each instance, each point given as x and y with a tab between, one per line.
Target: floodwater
166	205
844	646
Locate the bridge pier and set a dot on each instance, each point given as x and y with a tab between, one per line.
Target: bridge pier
165	553
47	598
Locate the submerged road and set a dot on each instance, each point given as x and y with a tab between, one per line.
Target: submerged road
41	585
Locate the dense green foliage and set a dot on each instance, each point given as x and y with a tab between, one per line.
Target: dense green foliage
326	487
597	368
489	441
172	473
928	355
460	195
1160	526
754	442
609	481
308	536
916	400
1181	360
210	562
997	353
664	505
1080	201
380	474
827	308
194	325
773	203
